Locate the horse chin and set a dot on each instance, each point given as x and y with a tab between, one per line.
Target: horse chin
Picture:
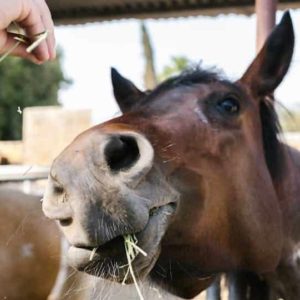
109	260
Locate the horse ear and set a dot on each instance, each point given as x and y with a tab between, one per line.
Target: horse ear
271	64
126	93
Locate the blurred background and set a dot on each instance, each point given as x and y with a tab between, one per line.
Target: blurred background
145	51
42	108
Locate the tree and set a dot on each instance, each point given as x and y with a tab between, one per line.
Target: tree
24	84
177	65
150	80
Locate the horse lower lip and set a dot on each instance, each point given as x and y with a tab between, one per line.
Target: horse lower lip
80	257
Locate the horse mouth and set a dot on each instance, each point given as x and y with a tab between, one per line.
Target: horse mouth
109	260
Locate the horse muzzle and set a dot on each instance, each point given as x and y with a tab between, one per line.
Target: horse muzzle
104	192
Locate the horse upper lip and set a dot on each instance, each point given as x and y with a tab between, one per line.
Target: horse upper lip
107	247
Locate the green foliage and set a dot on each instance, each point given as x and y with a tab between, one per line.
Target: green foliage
177	65
24	84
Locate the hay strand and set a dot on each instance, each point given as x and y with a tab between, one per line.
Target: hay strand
9	51
23	39
132	251
39	39
93	254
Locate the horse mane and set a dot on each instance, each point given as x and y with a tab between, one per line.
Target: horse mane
188	77
269	119
271	130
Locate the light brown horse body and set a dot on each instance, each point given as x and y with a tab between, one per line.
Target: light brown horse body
29	247
194	169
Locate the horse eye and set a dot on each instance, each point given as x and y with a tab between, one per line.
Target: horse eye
229	106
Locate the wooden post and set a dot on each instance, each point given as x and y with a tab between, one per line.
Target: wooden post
265	20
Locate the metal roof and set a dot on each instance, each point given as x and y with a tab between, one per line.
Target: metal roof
81	11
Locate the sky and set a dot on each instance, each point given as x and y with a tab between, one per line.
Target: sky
226	42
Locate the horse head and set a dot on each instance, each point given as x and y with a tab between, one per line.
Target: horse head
189	169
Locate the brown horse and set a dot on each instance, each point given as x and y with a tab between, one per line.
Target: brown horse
29	247
195	169
32	259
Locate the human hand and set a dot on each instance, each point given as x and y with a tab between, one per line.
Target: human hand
34	17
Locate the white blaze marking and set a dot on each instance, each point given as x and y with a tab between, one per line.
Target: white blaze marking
201	115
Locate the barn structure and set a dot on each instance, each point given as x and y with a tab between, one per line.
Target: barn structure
78	11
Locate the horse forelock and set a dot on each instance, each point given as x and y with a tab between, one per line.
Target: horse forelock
188	77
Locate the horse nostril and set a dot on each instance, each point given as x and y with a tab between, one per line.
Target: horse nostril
121	152
58	189
66	222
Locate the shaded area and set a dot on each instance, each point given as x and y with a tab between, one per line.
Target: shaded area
77	11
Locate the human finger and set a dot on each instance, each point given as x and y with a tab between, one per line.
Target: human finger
49	25
30	20
13	47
